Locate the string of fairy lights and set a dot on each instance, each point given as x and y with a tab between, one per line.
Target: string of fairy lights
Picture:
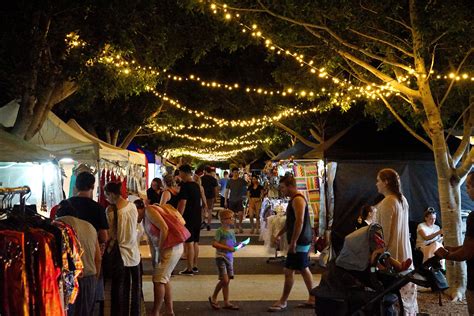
198	153
265	120
348	91
321	72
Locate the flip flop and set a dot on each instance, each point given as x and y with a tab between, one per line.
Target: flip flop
306	305
277	309
214	305
231	307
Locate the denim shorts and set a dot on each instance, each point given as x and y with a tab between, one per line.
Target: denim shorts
225	267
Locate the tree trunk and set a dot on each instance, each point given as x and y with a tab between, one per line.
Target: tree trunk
39	31
55	94
115	136
108	136
130	136
25	115
450	201
448	190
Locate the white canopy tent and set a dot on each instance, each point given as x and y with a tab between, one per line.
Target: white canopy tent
23	163
106	150
58	137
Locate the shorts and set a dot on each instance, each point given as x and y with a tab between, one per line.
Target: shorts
169	258
297	261
255	204
195	230
236	206
225	267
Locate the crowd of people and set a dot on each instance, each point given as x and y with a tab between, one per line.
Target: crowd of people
178	207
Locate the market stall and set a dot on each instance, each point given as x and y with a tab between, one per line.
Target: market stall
24	164
78	151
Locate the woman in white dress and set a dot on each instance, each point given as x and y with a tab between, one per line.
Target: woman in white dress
392	215
429	235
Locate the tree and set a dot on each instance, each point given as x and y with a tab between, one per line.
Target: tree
399	54
50	48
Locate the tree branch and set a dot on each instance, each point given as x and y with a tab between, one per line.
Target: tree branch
438	38
466	136
403	123
466	166
356	73
316	135
307	25
404	51
400	22
296	135
130	136
386	78
451	84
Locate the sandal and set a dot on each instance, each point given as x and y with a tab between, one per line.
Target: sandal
277	308
214	305
231	307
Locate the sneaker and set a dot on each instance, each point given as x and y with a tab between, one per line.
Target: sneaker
195	270
208	228
186	272
203	224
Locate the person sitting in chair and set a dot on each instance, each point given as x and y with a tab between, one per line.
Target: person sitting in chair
429	235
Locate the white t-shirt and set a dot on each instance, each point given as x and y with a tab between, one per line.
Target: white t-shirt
127	234
420	241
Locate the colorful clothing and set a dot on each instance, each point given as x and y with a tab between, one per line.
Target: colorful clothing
225	237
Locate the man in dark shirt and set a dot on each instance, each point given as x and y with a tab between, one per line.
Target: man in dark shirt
189	206
210	186
466	251
87	209
236	190
90	211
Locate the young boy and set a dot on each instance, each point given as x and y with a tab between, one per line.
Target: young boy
224	243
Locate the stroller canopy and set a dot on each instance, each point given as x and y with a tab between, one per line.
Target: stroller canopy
358	247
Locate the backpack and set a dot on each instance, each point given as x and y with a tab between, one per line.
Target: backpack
177	232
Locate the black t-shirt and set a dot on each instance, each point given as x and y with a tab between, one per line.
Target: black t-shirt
174	199
255	193
470	262
153	197
191	192
89	210
209	184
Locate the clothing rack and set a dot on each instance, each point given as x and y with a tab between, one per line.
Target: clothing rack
274	202
9	193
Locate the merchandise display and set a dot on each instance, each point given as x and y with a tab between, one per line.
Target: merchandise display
41	260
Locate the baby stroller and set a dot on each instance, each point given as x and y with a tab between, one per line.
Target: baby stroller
356	284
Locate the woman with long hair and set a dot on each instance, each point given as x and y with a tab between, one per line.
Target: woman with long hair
171	191
392	215
154	191
125	297
255	196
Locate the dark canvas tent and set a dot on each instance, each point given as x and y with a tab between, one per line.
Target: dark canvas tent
360	152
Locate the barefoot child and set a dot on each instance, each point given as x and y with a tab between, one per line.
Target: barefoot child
224	243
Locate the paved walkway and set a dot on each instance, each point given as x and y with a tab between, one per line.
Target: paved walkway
256	286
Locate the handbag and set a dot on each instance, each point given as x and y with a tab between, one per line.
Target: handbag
112	262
